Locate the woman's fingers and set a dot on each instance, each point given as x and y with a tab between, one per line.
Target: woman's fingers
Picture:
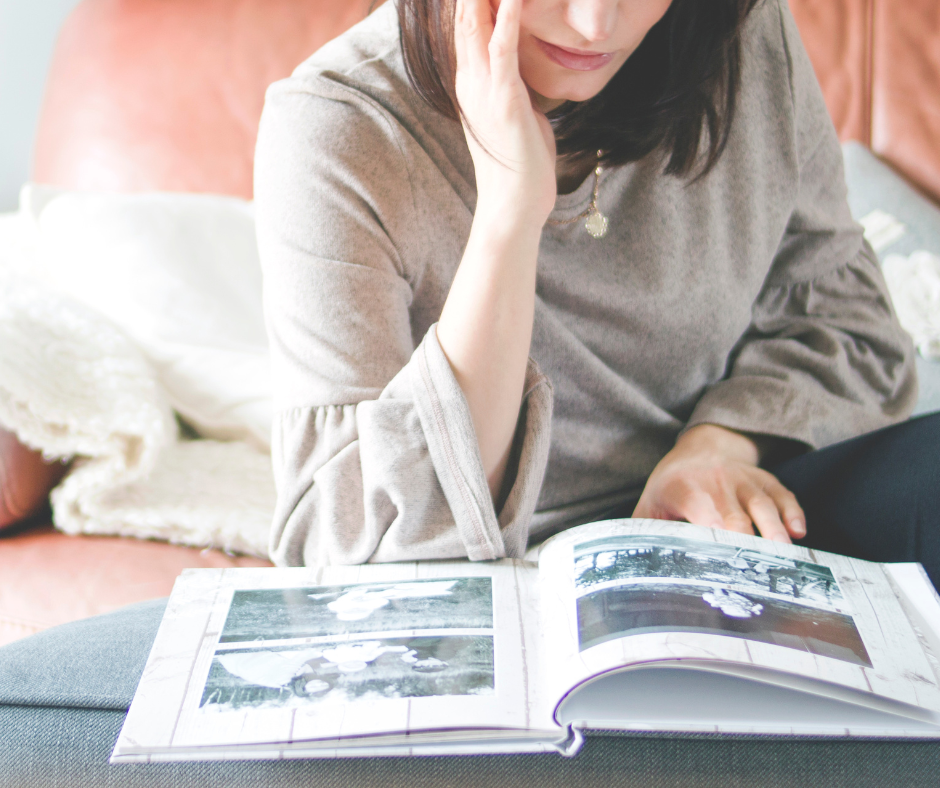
710	500
732	495
734	517
511	143
691	502
460	38
742	510
763	511
504	43
790	510
473	31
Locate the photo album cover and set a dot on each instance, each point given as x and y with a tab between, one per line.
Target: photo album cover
623	625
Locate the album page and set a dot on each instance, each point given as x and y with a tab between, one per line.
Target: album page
636	592
279	662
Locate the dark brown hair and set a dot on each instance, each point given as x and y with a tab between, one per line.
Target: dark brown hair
681	81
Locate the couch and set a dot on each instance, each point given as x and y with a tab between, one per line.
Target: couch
166	95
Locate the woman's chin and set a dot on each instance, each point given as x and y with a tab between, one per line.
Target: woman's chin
551	95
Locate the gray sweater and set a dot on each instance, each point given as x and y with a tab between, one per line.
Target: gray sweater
747	299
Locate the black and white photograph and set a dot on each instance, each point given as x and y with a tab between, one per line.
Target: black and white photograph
629	586
344	671
288	613
624	559
642	608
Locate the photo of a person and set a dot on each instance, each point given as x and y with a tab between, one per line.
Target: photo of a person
344	671
317	611
631	585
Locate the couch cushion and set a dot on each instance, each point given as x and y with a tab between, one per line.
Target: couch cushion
166	94
878	63
25	480
837	36
874	187
49	578
62	696
906	89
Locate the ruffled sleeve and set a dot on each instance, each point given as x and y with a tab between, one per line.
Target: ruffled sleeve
825	358
398	478
374	451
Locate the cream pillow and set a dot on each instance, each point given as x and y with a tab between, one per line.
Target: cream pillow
179	274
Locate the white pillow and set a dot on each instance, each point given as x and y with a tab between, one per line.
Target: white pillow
179	274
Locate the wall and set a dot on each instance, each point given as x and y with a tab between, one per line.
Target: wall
27	35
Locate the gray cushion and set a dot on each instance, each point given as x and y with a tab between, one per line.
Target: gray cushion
63	691
94	663
873	185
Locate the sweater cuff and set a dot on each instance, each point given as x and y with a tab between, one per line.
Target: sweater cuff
452	444
768	406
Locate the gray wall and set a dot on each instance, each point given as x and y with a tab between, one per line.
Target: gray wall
28	31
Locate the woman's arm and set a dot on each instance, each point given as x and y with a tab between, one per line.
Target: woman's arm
361	225
824	359
485	328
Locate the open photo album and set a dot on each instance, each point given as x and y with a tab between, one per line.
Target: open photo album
623	625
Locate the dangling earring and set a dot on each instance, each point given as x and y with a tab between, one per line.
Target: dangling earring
594	221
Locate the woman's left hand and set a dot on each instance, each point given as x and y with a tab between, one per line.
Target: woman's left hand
711	478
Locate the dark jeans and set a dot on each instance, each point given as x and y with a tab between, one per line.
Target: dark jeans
875	497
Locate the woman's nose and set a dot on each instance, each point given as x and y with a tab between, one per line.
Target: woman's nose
593	19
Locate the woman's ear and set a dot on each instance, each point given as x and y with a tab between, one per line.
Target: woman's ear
25	480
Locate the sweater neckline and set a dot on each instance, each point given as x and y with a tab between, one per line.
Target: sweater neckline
568	206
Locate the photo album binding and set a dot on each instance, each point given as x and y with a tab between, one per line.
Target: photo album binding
624	625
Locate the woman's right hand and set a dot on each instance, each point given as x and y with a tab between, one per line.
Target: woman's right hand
485	327
510	140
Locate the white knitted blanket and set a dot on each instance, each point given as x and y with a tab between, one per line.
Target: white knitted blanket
914	283
72	385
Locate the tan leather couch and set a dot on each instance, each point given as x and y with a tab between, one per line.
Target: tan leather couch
142	95
878	62
166	94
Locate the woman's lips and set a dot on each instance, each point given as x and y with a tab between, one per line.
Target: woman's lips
575	59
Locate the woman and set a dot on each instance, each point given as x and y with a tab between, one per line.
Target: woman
618	279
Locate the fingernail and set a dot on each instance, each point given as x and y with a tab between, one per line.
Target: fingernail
797	527
783	538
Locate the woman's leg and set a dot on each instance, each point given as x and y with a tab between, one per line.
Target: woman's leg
875	497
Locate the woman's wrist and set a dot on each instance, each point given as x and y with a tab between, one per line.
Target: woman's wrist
720	441
485	327
756	449
498	235
512	210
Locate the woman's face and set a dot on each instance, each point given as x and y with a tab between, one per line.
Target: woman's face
570	49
